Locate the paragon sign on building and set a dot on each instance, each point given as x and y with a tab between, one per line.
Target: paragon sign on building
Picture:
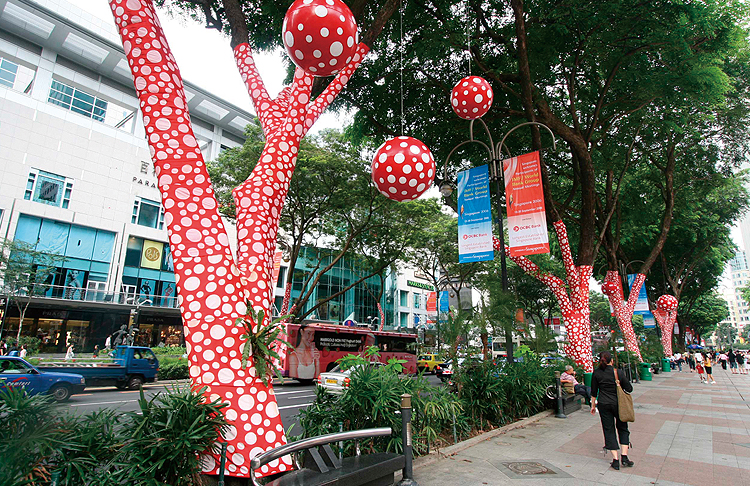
419	285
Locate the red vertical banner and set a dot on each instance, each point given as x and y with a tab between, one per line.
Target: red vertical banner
432	302
276	267
524	198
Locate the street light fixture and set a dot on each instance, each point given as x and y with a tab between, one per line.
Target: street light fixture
497	175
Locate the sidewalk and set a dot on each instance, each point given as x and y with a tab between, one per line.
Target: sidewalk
685	432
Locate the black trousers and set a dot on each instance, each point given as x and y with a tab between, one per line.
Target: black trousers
610	422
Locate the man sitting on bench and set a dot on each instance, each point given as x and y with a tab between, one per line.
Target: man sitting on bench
571	385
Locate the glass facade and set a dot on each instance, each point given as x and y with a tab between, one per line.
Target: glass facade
362	298
148	274
148	213
48	188
85	256
77	101
15	76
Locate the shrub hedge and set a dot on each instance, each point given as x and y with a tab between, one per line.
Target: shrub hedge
158	445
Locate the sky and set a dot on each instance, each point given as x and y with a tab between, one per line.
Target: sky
205	59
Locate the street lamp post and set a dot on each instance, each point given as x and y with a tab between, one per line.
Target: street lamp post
497	176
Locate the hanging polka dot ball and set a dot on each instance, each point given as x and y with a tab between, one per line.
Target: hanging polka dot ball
320	36
472	97
403	168
667	303
609	288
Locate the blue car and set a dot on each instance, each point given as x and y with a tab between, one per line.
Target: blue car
16	372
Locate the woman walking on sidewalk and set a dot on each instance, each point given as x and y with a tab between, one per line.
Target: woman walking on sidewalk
604	397
707	366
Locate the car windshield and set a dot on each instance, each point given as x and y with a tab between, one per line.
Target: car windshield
9	366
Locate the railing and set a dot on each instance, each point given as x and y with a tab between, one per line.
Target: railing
62	292
299	446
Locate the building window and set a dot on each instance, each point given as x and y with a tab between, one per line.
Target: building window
282	277
417	300
48	188
403	319
148	213
78	101
404	298
8	73
16	76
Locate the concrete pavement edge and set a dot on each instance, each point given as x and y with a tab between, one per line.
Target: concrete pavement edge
435	456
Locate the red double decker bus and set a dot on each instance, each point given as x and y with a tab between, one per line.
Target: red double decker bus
314	348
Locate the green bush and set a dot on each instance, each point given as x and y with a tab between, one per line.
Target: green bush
28	436
492	395
482	392
166	350
372	400
157	445
32	344
174	369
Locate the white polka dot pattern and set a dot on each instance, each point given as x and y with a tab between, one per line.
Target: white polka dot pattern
666	315
403	168
667	302
320	36
666	320
624	309
472	97
575	309
212	290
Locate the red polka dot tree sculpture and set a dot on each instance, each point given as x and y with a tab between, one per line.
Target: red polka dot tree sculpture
572	296
214	288
612	288
666	315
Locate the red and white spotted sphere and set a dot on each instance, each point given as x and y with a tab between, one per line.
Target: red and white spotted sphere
472	97
403	168
667	303
609	288
320	36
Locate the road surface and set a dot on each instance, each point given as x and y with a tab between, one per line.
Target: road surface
291	396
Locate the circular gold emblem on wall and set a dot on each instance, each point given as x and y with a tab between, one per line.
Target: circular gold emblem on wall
152	254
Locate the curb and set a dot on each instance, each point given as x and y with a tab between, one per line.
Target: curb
435	456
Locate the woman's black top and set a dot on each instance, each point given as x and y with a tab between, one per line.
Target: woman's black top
731	356
740	358
604	388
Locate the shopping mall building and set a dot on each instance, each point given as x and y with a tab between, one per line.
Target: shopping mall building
76	178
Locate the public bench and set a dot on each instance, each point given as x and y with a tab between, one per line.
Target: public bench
571	403
317	465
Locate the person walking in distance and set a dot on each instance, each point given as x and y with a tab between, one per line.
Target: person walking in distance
732	358
708	367
740	362
604	398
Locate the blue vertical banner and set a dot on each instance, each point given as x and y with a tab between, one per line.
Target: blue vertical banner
444	303
649	322
641	306
474	216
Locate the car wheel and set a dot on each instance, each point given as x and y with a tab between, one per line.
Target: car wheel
135	382
60	393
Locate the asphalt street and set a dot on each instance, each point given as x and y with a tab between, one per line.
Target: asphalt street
291	396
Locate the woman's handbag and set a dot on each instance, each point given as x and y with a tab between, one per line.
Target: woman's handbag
624	402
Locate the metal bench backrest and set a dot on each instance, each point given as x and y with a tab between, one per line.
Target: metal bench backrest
312	443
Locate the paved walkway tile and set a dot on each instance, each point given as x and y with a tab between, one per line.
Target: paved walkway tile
685	432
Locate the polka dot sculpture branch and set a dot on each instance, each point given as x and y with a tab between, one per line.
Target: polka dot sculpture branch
574	305
212	288
666	315
612	288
